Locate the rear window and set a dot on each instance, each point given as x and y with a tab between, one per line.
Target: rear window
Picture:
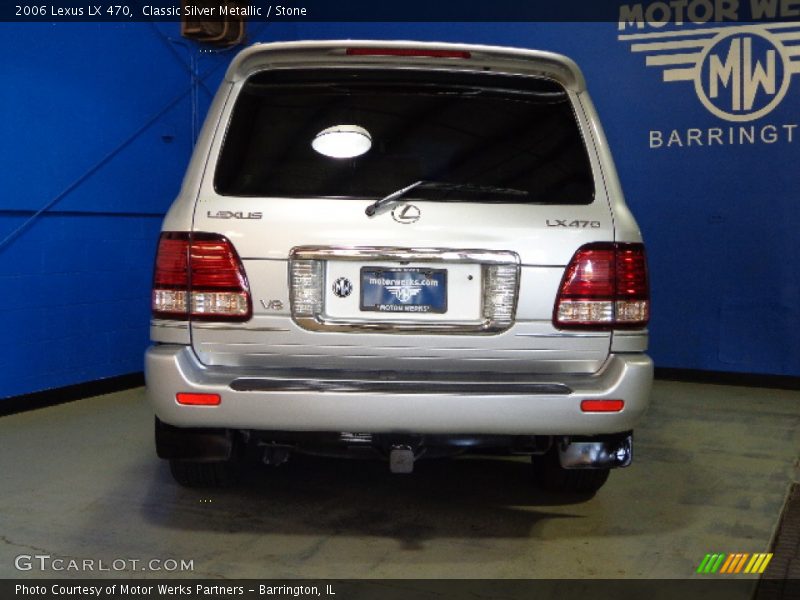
473	137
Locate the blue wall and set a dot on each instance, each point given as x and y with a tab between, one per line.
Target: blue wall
98	128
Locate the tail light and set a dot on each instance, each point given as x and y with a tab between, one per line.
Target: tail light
604	286
199	275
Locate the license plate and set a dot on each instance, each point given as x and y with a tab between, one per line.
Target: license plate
406	290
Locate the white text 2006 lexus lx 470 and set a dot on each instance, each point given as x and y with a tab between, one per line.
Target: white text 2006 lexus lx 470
411	249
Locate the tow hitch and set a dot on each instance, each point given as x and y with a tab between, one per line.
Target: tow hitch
401	459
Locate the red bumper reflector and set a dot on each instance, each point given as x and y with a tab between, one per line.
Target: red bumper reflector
198	399
602	405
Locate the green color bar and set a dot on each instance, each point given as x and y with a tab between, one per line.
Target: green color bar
702	567
711	563
718	564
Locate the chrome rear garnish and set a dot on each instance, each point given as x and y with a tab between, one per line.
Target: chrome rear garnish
500	275
306	284
500	293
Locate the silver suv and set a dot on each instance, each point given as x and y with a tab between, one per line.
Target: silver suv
399	249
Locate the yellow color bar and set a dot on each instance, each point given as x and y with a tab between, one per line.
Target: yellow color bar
751	566
765	563
758	563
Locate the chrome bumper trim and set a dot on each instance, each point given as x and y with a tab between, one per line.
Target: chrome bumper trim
360	386
368	253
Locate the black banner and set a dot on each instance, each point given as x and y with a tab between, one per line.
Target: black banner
711	588
653	11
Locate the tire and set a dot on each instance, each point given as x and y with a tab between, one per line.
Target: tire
552	477
196	474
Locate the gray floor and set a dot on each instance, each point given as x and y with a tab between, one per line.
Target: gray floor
711	470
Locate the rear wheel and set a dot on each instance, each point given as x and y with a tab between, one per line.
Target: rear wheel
192	473
551	476
199	457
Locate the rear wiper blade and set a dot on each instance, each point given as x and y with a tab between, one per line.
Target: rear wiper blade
396	195
477	188
443	185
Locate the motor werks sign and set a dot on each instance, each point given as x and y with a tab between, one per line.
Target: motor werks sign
739	72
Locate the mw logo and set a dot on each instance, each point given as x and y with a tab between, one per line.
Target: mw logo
740	73
342	287
742	77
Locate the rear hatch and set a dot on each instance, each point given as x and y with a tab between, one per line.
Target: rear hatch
488	185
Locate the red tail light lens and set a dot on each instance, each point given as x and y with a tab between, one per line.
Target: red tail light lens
200	276
171	262
215	265
606	286
408	52
590	274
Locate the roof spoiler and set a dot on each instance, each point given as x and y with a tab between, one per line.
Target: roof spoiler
334	53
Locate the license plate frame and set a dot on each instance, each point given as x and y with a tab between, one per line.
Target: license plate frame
406	290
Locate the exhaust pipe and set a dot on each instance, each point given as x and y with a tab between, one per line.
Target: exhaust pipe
609	452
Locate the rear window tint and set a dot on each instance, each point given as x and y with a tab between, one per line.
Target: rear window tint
472	132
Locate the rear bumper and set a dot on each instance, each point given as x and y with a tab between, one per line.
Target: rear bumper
394	402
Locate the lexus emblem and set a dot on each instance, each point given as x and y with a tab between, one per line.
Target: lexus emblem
342	287
406	214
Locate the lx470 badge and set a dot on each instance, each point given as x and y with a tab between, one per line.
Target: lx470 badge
578	224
